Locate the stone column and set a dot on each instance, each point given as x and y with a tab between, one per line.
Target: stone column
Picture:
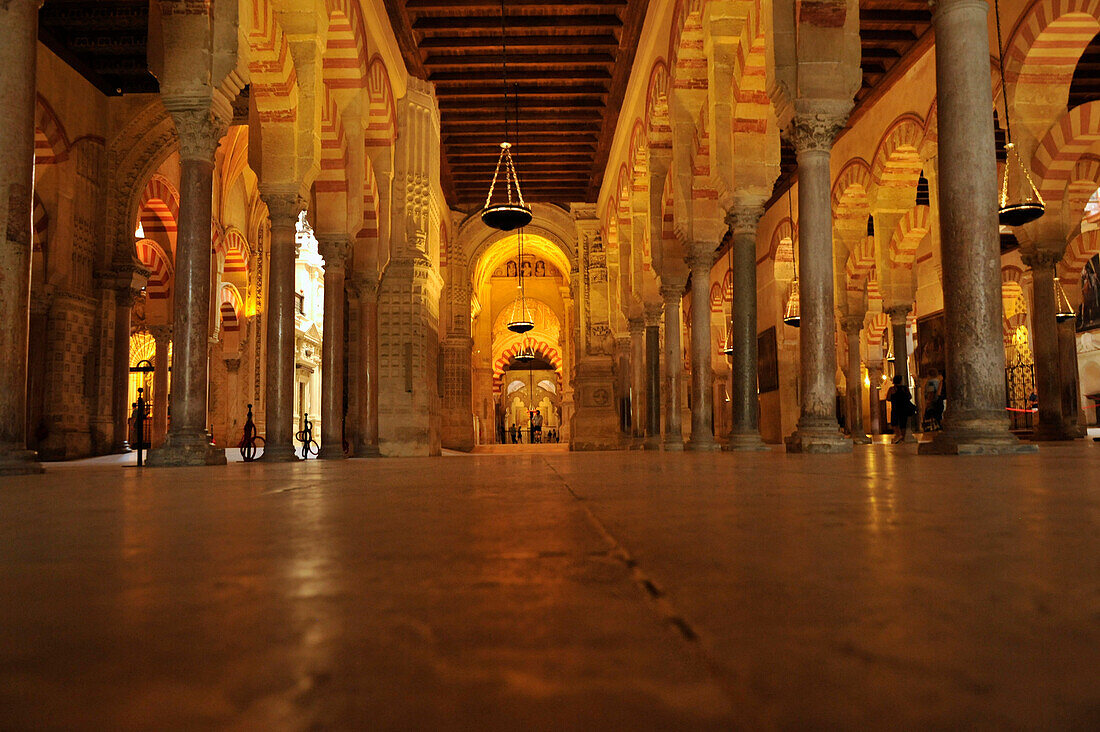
672	292
162	334
334	250
852	326
120	373
18	54
700	261
1048	370
188	442
975	420
743	219
637	380
874	375
367	288
812	134
1072	417
653	376
283	207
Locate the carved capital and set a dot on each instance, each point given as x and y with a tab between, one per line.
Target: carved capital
815	131
744	218
1040	258
334	249
700	260
365	287
673	291
283	205
898	312
160	333
852	324
635	325
653	312
199	129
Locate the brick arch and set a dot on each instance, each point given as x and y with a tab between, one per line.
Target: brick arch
231	308
657	120
785	230
1081	249
153	258
639	157
908	235
332	180
381	127
897	162
273	79
686	21
755	130
931	131
539	347
40	225
876	329
1062	147
158	209
51	143
861	259
345	58
851	205
237	252
716	298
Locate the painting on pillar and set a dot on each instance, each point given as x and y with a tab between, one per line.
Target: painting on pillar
1088	315
931	342
767	361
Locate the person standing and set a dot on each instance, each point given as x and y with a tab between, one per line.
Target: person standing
901	408
536	427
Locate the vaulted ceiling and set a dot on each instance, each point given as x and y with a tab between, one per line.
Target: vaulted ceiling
569	60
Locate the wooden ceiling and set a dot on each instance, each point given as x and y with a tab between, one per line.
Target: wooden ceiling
569	60
104	41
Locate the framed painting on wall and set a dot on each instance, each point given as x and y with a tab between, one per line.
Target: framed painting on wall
931	345
767	361
1088	315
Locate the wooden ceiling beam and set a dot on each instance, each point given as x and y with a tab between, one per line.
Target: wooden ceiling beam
526	92
543	58
595	40
425	24
541	138
419	6
524	73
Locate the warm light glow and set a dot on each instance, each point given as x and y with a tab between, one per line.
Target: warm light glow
139	232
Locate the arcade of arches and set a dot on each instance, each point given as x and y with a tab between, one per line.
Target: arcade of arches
269	209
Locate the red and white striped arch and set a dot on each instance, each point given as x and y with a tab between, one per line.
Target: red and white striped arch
159	209
876	327
274	81
908	235
897	164
232	308
658	124
40	222
51	144
381	126
1058	152
153	258
861	259
1081	249
346	57
333	178
540	348
237	252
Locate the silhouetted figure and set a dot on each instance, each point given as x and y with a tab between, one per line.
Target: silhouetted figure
901	408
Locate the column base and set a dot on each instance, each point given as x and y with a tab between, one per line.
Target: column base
821	439
948	442
861	439
673	444
331	453
280	454
20	462
745	442
653	442
185	450
367	451
710	445
1052	434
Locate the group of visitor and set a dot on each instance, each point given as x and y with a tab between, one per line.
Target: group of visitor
902	408
533	434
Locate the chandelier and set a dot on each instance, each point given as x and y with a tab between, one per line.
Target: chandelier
521	319
1030	206
510	212
526	355
792	314
1063	311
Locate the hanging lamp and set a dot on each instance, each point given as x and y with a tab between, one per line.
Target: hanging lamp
521	319
526	355
1063	311
510	213
1013	212
792	314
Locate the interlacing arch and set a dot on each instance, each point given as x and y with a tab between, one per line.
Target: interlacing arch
346	57
908	235
381	124
153	258
897	164
237	252
861	259
658	124
273	80
51	144
158	210
876	329
1058	152
232	307
333	178
686	47
1081	249
524	344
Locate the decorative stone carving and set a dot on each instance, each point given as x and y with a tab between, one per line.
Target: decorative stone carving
744	219
334	249
815	131
200	130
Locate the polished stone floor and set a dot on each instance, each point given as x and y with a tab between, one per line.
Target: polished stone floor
549	590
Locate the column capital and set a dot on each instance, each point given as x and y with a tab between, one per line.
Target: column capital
653	312
673	290
364	286
744	217
160	333
814	130
200	130
283	203
635	325
700	258
898	312
334	249
852	324
1040	258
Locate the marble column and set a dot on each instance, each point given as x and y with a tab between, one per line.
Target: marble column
975	420
672	292
653	376
334	250
812	134
188	442
162	334
1072	416
367	287
700	261
853	325
743	219
18	55
1044	331
636	327
874	375
120	372
283	207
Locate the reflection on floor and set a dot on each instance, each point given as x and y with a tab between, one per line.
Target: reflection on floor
631	590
